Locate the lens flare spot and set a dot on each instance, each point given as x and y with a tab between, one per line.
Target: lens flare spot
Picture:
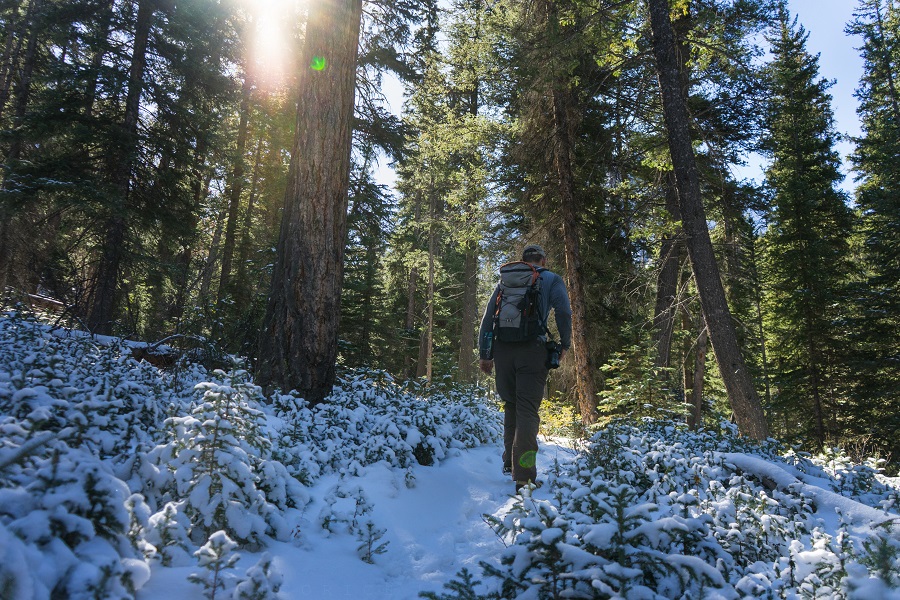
318	63
528	460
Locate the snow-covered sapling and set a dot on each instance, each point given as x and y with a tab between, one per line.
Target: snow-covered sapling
371	536
262	581
217	558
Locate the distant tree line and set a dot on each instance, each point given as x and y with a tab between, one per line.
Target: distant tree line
156	181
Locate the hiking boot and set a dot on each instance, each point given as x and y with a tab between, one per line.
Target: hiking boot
507	469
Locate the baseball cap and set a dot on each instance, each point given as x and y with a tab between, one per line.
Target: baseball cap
533	249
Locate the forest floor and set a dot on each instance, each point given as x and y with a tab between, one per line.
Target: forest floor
434	530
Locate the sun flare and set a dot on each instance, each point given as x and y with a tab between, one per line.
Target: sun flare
272	49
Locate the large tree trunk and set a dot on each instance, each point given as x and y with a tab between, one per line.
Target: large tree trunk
468	334
561	103
670	256
235	189
744	401
106	286
586	394
298	343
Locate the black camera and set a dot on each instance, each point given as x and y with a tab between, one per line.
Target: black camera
553	352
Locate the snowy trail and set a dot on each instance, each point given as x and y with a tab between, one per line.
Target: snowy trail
434	530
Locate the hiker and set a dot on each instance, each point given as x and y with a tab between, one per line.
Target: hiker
513	337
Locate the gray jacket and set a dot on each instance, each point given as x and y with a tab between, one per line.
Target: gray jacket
553	295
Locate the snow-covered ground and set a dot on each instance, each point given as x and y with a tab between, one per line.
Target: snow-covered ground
433	530
120	481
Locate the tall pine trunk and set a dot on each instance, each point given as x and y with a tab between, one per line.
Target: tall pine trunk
738	382
243	289
670	256
586	394
235	189
106	281
695	400
468	335
298	343
563	148
426	344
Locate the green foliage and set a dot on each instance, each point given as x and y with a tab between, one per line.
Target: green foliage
561	419
217	463
636	387
874	322
651	509
805	250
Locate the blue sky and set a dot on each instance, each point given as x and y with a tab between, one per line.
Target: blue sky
839	60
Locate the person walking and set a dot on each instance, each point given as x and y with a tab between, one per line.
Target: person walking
514	341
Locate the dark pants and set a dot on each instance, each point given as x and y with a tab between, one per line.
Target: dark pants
521	374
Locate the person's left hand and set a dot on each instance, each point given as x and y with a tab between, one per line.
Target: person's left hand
487	366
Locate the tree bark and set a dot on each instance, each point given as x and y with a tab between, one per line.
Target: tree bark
696	400
244	291
468	334
738	383
298	343
106	287
235	189
670	255
561	103
426	349
586	394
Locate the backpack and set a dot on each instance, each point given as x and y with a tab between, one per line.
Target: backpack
517	316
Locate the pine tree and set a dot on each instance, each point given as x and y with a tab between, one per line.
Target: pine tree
805	244
69	191
364	334
877	320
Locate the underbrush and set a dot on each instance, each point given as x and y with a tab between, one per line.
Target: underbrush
652	510
109	465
